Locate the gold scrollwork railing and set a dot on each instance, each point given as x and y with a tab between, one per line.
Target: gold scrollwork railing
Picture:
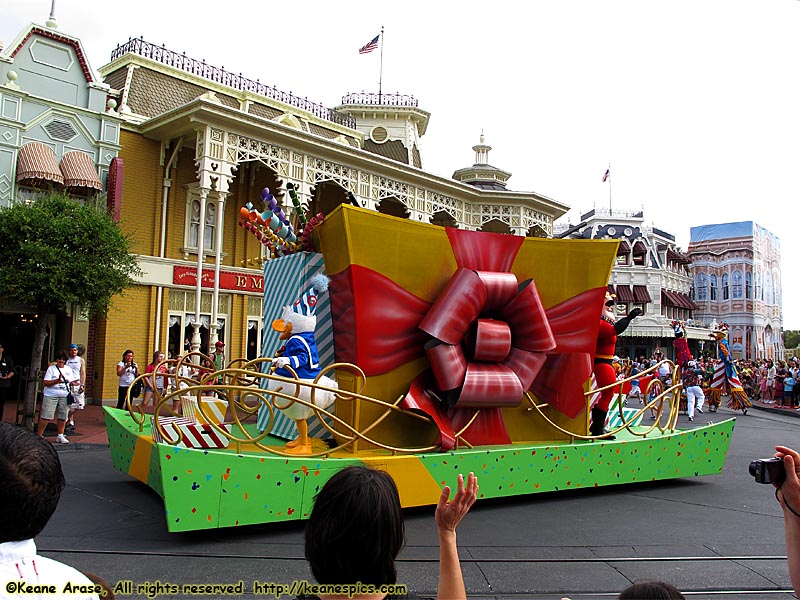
655	388
243	380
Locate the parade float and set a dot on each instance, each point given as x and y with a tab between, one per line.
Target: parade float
451	351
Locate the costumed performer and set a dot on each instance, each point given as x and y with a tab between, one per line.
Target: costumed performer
604	371
682	353
725	371
296	327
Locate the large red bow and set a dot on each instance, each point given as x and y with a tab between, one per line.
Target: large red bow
487	339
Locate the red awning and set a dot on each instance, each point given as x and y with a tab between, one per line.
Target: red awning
640	294
37	162
624	248
624	293
79	171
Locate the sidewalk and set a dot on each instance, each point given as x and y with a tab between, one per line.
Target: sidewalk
90	428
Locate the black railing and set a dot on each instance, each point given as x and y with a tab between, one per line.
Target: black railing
380	99
232	80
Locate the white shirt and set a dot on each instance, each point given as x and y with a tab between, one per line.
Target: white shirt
128	374
19	564
58	390
76	362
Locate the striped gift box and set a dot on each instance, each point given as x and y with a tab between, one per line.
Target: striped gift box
285	280
214	407
193	435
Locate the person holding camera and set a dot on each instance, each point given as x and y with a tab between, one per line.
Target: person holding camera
127	371
787	491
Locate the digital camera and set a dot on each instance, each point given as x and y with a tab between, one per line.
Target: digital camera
768	470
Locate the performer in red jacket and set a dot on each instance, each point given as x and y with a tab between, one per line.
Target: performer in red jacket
604	371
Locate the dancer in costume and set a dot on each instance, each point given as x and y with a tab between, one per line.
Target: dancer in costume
296	327
682	353
603	357
725	372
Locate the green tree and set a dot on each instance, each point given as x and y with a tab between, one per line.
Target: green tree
791	339
57	253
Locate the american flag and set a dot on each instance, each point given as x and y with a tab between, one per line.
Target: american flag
369	47
607	174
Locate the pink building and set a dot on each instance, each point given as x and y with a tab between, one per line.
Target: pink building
736	278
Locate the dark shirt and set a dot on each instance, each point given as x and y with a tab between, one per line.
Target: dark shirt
6	367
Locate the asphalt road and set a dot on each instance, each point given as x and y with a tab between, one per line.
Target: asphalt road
706	535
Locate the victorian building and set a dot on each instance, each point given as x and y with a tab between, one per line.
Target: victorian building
55	132
650	273
191	144
737	280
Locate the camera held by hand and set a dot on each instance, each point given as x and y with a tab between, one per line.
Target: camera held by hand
768	470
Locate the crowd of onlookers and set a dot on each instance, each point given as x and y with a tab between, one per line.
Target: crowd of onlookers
766	380
771	381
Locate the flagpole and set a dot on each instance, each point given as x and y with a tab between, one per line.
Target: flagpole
380	77
609	189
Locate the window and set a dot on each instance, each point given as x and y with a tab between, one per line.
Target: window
725	288
701	287
748	285
758	286
713	287
192	232
736	285
181	319
768	296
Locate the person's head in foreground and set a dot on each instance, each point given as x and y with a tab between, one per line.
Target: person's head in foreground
32	481
356	528
651	590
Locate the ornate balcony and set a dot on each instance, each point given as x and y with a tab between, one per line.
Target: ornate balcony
381	99
226	78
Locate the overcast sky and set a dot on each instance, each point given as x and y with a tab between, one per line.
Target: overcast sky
693	102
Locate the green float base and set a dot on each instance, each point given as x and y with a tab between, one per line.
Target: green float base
206	489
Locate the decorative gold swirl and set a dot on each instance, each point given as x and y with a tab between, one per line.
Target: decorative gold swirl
243	385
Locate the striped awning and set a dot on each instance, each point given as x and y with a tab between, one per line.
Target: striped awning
37	162
79	171
624	293
640	294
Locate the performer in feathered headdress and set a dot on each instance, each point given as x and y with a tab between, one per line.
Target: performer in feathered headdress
725	371
296	327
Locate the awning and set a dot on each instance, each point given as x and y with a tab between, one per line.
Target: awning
687	302
624	293
624	248
640	294
37	162
79	171
677	300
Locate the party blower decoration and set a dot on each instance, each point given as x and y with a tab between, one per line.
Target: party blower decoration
271	227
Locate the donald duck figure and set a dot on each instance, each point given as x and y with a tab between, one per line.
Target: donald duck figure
296	328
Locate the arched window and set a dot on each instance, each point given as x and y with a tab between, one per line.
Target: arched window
701	287
769	298
713	288
759	295
748	285
725	288
736	285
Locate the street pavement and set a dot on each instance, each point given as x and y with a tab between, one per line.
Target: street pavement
717	536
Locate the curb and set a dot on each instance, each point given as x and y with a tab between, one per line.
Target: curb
777	411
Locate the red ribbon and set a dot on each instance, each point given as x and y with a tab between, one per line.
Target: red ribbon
378	324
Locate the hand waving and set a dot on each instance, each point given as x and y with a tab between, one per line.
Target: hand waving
449	514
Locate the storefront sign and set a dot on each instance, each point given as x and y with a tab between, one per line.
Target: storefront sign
228	280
